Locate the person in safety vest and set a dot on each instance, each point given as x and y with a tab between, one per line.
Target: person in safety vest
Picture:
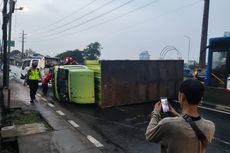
31	79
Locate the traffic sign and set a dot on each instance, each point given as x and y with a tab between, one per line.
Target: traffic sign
11	43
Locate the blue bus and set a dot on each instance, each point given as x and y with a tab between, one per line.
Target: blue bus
218	68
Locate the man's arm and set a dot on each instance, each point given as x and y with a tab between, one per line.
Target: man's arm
26	78
154	132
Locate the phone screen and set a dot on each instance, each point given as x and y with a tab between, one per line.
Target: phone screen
164	104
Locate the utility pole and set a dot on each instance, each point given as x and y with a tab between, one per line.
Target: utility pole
1	53
11	10
23	41
4	41
189	46
203	44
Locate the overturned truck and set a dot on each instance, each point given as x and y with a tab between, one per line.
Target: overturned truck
122	82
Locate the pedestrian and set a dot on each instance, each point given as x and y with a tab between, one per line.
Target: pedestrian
196	73
185	133
197	76
46	80
31	79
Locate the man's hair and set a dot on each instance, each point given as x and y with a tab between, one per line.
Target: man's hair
193	90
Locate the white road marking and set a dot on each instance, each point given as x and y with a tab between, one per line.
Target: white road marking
60	113
74	124
51	105
44	99
215	110
223	141
94	141
39	95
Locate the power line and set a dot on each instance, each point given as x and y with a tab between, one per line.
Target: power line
65	17
117	17
127	13
91	19
164	14
72	21
122	15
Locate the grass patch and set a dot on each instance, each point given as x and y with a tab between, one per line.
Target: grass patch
20	117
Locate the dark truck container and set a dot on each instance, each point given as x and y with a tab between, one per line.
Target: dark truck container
122	82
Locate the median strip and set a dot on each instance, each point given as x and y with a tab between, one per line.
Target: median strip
74	124
94	141
223	141
211	109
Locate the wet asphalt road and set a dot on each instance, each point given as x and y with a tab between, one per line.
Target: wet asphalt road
121	129
124	127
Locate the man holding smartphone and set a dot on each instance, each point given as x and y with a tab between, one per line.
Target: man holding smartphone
185	133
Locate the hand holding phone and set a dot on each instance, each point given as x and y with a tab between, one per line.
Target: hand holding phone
164	104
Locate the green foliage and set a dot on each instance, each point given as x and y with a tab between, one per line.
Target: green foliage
93	51
15	52
76	55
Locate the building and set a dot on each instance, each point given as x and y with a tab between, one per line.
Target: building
144	55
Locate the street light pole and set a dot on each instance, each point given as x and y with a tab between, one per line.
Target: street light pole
203	43
11	10
12	4
23	41
4	41
189	45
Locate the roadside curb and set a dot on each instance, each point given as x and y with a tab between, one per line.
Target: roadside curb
71	123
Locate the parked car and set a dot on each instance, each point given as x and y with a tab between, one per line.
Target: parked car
188	72
43	64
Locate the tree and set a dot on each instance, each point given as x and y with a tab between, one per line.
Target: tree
15	53
93	51
75	54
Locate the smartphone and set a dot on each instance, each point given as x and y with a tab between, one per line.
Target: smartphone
164	104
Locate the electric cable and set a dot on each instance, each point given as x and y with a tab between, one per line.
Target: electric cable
91	19
161	15
65	17
127	13
72	21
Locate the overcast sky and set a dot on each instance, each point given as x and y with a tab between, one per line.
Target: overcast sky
123	27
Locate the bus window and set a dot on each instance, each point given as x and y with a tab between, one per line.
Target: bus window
218	69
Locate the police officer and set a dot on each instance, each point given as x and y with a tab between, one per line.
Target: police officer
32	78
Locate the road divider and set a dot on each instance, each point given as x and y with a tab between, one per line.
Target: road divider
222	141
216	108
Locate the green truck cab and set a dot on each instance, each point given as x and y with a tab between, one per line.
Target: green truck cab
74	83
